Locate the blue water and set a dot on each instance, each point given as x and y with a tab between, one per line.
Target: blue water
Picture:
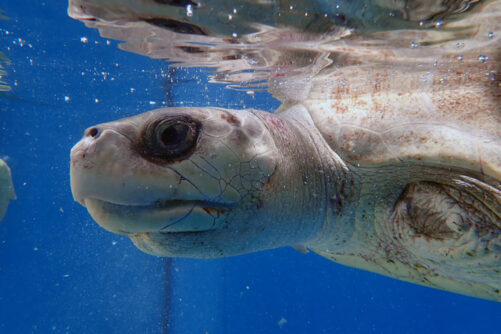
61	273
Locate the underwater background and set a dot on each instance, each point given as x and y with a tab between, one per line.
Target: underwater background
62	273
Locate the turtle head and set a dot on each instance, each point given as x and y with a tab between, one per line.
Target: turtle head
181	181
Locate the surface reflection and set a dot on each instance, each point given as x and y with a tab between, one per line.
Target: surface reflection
277	43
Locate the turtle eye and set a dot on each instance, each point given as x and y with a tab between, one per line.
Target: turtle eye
173	134
170	139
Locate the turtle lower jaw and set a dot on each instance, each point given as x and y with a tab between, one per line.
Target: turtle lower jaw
163	216
199	244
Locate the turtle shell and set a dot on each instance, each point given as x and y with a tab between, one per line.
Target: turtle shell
449	117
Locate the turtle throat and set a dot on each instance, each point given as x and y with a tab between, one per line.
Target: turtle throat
311	184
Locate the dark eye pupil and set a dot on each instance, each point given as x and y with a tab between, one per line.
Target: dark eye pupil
174	134
170	138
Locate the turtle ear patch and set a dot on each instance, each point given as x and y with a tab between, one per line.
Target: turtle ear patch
169	139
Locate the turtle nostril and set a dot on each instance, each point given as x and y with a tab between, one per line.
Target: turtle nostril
93	132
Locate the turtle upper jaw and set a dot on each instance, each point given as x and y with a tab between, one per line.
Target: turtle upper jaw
164	216
127	194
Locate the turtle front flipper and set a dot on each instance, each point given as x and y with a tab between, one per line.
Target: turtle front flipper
451	235
443	235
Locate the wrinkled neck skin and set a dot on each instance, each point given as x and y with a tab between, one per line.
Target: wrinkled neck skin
308	190
297	204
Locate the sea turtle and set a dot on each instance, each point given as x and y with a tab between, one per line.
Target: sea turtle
385	154
390	175
6	188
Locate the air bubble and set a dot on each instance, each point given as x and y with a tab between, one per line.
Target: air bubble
482	58
189	10
84	39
